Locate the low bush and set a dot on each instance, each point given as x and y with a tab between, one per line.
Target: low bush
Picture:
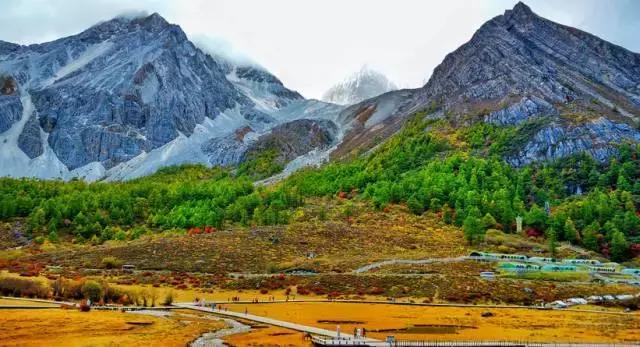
92	290
168	299
111	262
22	287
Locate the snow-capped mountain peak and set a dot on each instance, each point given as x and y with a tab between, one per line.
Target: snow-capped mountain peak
361	85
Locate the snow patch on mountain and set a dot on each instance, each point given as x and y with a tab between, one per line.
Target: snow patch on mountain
192	149
91	53
257	92
15	163
182	150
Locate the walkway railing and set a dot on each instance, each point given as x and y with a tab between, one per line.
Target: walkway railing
327	342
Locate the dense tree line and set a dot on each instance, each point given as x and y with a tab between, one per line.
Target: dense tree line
590	204
458	174
179	197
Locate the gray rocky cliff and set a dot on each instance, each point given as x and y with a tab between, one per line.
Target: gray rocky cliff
519	67
118	89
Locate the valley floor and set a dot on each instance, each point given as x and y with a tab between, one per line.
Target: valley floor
58	327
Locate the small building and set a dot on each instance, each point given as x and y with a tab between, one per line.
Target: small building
518	267
496	256
595	299
559	304
558	268
624	297
577	301
592	262
602	269
635	272
128	268
543	260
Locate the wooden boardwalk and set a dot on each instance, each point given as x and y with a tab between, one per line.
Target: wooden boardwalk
324	342
283	324
331	338
325	337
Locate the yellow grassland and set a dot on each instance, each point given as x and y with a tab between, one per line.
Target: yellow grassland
457	323
58	327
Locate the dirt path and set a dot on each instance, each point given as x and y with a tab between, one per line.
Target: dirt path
215	339
379	264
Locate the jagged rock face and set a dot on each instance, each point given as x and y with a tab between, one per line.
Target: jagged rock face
293	139
265	90
518	67
129	96
29	140
556	141
10	105
120	88
230	149
521	111
289	140
520	54
273	84
362	85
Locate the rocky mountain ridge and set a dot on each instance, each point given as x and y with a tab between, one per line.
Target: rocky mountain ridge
128	96
124	98
516	68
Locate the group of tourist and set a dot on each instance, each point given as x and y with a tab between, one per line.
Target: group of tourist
358	333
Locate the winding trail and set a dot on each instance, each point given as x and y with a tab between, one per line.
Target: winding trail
382	263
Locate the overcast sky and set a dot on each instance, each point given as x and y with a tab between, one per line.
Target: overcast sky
312	44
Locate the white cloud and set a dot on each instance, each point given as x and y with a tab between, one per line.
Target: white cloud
312	44
218	46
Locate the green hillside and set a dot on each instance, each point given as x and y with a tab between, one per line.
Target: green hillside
433	166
